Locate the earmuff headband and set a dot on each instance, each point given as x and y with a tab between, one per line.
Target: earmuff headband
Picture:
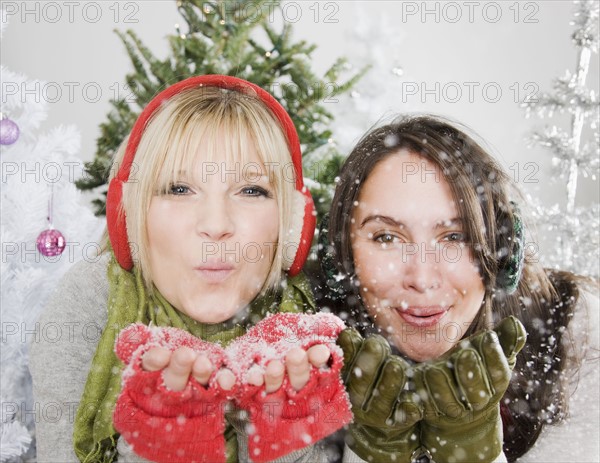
116	221
225	82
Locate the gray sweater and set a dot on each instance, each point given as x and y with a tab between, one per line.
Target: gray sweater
61	355
70	327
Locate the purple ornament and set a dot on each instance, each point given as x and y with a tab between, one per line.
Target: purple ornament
9	132
51	243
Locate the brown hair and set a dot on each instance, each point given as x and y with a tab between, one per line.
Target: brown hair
481	191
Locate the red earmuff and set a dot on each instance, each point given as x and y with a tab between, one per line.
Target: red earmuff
115	216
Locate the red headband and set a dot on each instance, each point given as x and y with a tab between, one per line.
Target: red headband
116	221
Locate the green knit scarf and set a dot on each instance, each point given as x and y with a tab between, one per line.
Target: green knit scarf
94	437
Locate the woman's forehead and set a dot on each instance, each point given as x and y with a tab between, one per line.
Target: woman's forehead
406	186
408	176
201	147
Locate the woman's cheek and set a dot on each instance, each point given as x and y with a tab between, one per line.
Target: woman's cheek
378	273
453	255
457	258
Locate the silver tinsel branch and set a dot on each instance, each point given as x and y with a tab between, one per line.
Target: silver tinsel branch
579	231
575	228
586	25
561	144
569	96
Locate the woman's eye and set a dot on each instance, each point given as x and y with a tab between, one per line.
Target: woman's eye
255	191
455	237
385	238
178	190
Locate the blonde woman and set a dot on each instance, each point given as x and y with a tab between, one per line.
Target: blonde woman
208	232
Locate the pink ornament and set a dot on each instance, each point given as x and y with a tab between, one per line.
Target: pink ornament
51	243
9	132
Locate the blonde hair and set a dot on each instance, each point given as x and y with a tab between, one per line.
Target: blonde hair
216	120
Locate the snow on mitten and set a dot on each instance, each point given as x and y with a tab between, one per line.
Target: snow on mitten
288	420
164	425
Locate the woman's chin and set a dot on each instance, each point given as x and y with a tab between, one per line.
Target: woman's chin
423	352
213	314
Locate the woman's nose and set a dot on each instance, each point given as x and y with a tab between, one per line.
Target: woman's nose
215	221
422	269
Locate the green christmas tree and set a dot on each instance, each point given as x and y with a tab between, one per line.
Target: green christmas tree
221	39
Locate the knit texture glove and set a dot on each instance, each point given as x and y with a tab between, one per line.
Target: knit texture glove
288	420
164	425
461	391
386	417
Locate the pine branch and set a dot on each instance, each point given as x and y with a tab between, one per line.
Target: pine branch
219	39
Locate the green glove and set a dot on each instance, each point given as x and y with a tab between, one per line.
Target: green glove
461	391
385	415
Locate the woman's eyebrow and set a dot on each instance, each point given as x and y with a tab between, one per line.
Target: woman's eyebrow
386	219
454	222
241	177
182	173
255	178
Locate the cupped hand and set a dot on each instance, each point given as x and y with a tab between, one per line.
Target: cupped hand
298	363
179	364
158	392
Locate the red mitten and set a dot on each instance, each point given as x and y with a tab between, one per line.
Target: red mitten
164	425
288	420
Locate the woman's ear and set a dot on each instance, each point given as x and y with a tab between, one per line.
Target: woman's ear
298	238
512	239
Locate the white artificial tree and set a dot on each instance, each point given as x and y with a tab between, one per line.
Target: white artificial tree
36	168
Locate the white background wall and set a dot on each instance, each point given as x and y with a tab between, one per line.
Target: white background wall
478	48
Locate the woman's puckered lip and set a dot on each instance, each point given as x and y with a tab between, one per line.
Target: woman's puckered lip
422	311
215	266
